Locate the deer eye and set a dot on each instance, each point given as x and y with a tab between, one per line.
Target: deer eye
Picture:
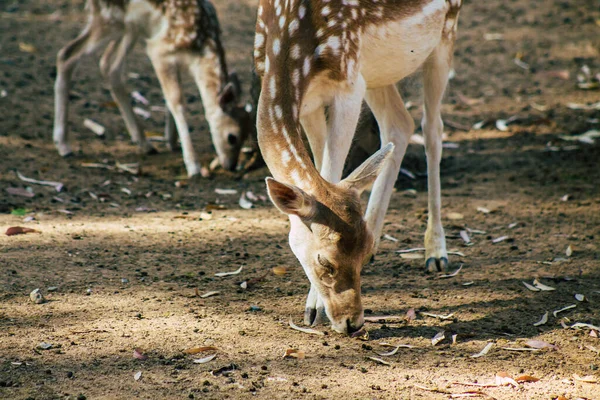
328	266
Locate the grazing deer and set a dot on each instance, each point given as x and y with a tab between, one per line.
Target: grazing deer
313	54
181	35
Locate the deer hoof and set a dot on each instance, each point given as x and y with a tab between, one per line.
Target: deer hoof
436	264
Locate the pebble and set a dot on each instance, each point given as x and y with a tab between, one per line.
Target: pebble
124	280
37	297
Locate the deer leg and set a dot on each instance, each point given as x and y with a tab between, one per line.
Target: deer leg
314	313
344	112
171	132
112	66
435	79
315	127
168	74
88	41
395	125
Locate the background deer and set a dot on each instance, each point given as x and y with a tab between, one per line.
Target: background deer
313	54
181	35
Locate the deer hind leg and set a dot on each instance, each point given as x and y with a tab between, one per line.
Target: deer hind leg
167	70
171	132
112	66
315	127
435	79
395	126
89	41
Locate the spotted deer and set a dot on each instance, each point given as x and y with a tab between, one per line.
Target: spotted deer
313	54
180	35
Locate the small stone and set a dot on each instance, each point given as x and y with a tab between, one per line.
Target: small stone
88	292
255	308
52	289
81	397
124	280
44	346
36	296
70	374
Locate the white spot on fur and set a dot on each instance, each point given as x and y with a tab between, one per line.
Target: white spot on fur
276	46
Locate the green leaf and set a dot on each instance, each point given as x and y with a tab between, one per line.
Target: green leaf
19	212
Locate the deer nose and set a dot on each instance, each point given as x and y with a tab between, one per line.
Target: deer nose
351	327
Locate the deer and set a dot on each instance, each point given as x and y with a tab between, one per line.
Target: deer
180	35
315	56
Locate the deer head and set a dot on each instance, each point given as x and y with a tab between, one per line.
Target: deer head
330	238
230	124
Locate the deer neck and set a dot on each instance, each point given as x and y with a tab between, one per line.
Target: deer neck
212	79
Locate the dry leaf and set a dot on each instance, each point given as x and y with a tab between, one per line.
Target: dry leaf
582	325
540	344
519	349
294	353
245	203
543	320
454	338
225	191
526	378
412	256
20	192
439	316
542	287
390	238
501	125
27	47
503	379
139	354
141	112
451	274
395	350
36	296
454	216
569	251
379	360
137	96
555	313
416	249
305	330
528	286
586	379
196	350
204	360
438	338
56	185
483	352
500	239
465	237
279	271
483	210
411	315
137	376
19	230
222	274
361	334
209	294
579	297
94	127
468	283
385	318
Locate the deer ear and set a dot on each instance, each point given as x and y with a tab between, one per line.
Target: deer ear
290	199
235	81
363	176
228	97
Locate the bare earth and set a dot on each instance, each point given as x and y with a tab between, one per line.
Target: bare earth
129	279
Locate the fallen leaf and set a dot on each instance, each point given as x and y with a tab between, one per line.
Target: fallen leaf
294	353
454	338
137	376
586	379
361	334
305	330
579	297
19	230
222	274
438	338
555	313
57	185
465	237
390	238
205	359
530	287
94	127
45	346
279	271
245	203
483	352
526	378
520	349
451	274
416	249
395	350
27	47
209	294
543	320
412	256
456	253
454	216
503	379
137	96
542	287
501	125
569	251
582	325
225	191
438	316
468	283
411	315
500	239
379	361
493	36
212	207
540	344
20	192
483	210
384	318
132	168
196	350
137	353
36	296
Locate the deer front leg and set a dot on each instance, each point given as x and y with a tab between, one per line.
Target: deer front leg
395	126
112	65
314	313
168	76
170	132
435	79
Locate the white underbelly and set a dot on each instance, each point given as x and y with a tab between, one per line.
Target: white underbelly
392	51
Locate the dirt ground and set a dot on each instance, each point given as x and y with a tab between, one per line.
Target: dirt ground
124	271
